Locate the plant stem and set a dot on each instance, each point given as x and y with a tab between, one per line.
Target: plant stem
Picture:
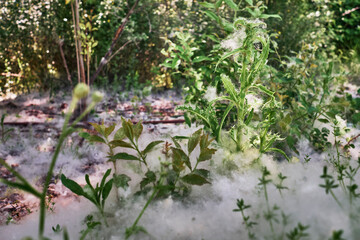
145	207
62	138
337	201
46	184
268	209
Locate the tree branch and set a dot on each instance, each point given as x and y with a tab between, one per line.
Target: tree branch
118	33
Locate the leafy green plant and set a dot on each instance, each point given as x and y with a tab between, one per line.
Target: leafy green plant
174	181
249	224
250	55
97	195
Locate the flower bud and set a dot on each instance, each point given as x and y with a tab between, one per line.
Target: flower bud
81	90
97	96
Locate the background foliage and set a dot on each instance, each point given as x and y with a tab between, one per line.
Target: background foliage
30	32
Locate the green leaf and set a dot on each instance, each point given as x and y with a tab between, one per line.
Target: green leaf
109	130
150	146
231	4
84	135
72	185
279	151
213	38
202	172
264	89
250	2
204	141
138	128
218	3
95	138
229	87
212	15
265	16
124	156
228	54
121	143
107	173
176	143
201	59
24	187
206	154
249	117
194	179
194	140
179	158
323	120
98	128
121	180
120	134
90	194
107	189
207	5
128	129
149	178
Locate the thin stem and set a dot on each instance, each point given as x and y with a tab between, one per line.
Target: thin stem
268	208
146	205
337	201
62	138
46	184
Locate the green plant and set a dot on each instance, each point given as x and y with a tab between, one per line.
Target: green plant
329	185
174	181
81	91
248	224
249	55
97	195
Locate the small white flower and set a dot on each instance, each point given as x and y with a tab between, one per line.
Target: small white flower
65	19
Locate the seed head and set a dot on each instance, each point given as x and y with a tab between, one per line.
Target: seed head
81	90
97	96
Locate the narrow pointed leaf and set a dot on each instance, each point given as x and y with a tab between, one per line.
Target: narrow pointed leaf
107	189
109	130
194	140
279	151
95	138
229	87
138	128
121	143
124	156
72	185
151	145
207	5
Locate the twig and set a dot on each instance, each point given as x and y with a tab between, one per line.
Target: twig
61	43
117	51
118	33
351	140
